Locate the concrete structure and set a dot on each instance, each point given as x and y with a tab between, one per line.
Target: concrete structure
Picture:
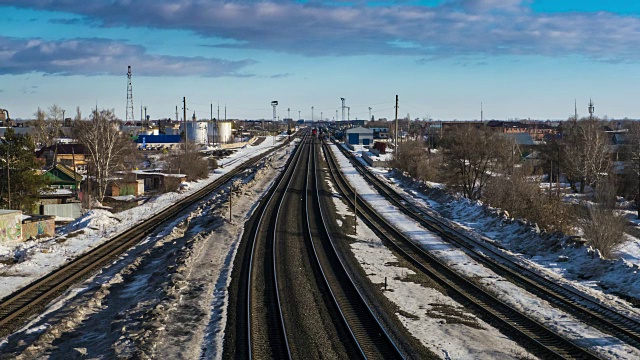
225	131
10	226
35	227
359	136
196	132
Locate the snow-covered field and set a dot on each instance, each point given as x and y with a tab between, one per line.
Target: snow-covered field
474	217
39	257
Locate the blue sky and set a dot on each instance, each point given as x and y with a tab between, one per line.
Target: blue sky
520	58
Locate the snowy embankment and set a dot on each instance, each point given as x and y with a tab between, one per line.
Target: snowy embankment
467	343
166	297
36	258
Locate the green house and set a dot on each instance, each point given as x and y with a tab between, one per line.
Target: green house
62	177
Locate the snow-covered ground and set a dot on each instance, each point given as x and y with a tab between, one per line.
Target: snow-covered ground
473	217
165	298
39	257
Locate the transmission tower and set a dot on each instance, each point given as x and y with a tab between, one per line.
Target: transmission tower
343	107
129	115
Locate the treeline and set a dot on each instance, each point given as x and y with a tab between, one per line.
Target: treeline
484	164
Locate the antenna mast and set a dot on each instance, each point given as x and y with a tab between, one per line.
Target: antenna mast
129	115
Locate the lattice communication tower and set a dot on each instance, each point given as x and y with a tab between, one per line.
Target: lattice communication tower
129	116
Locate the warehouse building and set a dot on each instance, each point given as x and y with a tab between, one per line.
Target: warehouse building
359	136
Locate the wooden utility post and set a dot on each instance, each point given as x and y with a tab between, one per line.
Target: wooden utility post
396	143
355	210
184	120
230	199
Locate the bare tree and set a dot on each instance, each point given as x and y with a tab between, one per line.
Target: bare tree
107	145
632	148
586	152
471	156
78	116
42	134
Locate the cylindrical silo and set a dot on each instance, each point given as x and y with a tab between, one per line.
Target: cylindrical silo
197	132
225	132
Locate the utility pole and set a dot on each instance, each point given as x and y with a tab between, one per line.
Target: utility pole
299	116
184	119
355	210
321	116
343	107
349	113
396	142
225	112
288	113
8	175
230	199
176	112
336	114
211	119
145	117
481	113
369	113
312	114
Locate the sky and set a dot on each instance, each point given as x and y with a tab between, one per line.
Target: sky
445	59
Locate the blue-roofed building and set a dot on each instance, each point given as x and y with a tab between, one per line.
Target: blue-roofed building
158	142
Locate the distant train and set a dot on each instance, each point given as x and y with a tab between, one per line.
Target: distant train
314	131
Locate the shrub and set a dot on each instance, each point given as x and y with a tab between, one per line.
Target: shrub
603	229
521	196
192	164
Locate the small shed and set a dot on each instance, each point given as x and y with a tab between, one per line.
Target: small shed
10	226
359	136
155	180
123	188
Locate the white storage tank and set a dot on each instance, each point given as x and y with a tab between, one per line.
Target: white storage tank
212	132
197	132
225	131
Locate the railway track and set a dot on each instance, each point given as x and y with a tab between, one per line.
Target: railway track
30	300
529	332
264	327
567	298
372	339
266	333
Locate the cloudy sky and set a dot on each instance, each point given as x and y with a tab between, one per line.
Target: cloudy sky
520	58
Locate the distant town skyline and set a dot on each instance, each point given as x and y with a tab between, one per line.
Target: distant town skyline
520	58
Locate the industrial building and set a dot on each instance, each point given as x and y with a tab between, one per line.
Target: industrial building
359	136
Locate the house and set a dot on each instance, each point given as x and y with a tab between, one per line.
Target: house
73	156
380	133
63	177
359	136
